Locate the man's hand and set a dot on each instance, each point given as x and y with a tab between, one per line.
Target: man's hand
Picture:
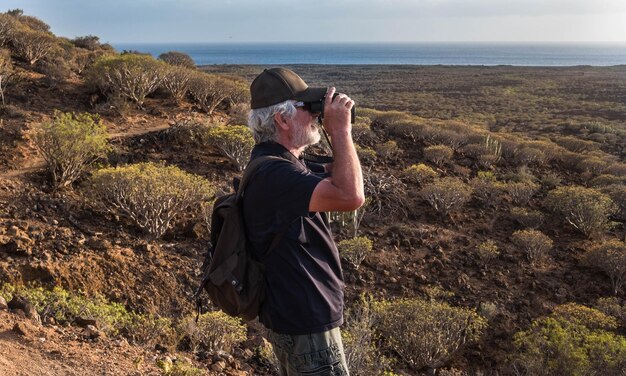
337	113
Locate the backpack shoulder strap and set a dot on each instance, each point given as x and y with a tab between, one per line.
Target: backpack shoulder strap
250	169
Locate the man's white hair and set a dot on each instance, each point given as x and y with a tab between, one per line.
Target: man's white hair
261	120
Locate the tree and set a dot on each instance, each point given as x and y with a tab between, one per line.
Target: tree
70	143
176	58
8	25
533	242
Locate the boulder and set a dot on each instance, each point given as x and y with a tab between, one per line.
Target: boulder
3	304
22	304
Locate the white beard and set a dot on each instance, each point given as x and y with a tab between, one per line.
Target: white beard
305	136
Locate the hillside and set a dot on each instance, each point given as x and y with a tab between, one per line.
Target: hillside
499	144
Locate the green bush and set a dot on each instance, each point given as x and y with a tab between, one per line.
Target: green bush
354	250
586	209
487	251
521	192
113	318
70	143
388	151
617	193
487	189
527	217
438	154
235	142
533	242
610	257
179	368
32	46
366	154
176	81
446	195
179	59
213	331
588	317
557	346
209	91
151	195
359	340
613	307
426	333
420	174
128	76
7	73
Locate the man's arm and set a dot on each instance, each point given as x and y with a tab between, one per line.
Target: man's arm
343	191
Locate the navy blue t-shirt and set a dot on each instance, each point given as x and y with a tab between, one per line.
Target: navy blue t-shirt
303	272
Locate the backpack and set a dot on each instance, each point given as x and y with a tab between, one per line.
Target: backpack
233	278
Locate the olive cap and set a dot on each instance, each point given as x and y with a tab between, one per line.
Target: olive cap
277	85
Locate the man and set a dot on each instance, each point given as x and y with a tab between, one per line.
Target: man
286	201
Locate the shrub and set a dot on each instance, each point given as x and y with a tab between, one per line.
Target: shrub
410	130
588	317
7	74
487	251
446	195
610	257
586	209
438	154
613	307
359	340
533	242
388	150
88	42
556	346
8	26
420	174
179	59
487	189
617	193
179	368
354	250
70	143
151	195
176	81
234	141
550	180
366	154
65	307
617	169
387	194
31	46
593	165
361	131
209	91
606	180
576	145
527	156
213	331
426	333
129	76
527	217
521	192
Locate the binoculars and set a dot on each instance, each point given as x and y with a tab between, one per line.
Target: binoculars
318	107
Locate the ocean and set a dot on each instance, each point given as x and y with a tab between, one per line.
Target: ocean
516	54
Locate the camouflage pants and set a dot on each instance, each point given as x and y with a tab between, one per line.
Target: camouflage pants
319	354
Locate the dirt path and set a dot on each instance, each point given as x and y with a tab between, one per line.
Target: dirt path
35	163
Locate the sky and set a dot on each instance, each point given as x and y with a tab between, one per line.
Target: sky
176	21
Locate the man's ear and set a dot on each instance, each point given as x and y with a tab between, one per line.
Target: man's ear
281	121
